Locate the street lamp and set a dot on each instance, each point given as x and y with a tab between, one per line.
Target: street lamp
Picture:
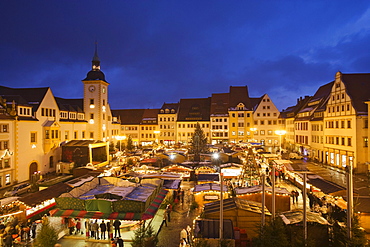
280	133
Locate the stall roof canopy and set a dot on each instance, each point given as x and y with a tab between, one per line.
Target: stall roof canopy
209	186
171	184
258	189
148	214
325	186
46	194
294	217
235	203
80	180
203	177
82	143
298	167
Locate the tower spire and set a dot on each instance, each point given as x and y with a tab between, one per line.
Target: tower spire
96	60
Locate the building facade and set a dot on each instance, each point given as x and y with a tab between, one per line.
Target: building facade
35	124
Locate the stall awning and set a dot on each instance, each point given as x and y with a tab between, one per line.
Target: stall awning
325	186
149	213
94	215
153	207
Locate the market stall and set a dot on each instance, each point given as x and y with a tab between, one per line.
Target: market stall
254	193
209	192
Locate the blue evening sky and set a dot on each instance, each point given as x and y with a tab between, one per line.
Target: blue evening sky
161	51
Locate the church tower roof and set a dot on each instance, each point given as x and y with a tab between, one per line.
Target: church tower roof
95	73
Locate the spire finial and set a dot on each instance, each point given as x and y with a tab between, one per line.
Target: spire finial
96	57
96	60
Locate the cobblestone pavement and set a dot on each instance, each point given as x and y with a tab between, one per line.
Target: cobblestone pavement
181	217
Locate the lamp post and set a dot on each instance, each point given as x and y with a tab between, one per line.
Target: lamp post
280	133
221	230
215	157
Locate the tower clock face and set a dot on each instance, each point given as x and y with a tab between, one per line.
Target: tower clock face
92	88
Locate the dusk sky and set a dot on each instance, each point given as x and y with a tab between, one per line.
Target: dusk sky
153	52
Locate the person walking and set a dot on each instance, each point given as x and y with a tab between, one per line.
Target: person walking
293	196
8	240
184	236
88	228
116	225
296	194
188	234
168	212
103	229
94	229
78	226
113	242
71	225
120	242
109	230
165	218
33	229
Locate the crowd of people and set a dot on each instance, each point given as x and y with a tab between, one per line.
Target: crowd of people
14	231
94	229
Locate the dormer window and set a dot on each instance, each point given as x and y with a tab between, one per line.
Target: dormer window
72	115
24	111
240	106
63	114
80	116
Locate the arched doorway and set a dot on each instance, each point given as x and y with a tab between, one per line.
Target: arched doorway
33	169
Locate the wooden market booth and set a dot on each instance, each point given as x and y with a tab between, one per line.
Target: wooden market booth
254	193
243	213
209	192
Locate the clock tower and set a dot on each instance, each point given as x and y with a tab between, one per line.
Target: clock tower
97	112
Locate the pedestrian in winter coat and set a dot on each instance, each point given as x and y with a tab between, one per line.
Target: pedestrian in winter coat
116	225
8	240
94	229
120	242
164	219
78	227
103	229
33	229
184	235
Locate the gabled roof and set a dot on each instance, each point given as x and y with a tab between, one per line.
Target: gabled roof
358	88
315	101
239	95
292	111
219	103
255	102
323	94
150	114
194	109
71	105
33	96
51	192
129	116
